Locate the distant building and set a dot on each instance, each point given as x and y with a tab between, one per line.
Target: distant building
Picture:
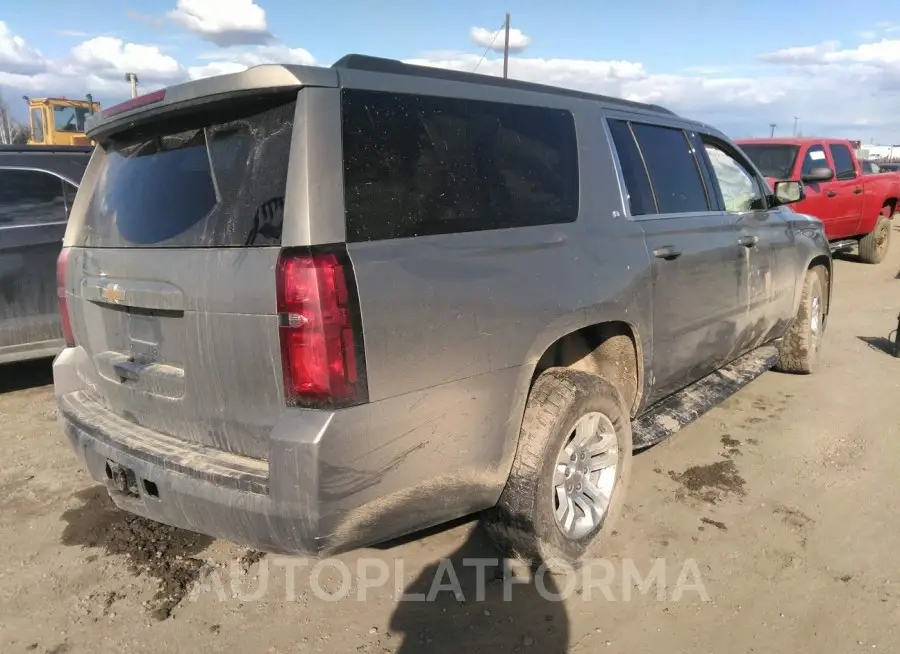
879	152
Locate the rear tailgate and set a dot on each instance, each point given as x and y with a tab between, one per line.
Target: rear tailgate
170	273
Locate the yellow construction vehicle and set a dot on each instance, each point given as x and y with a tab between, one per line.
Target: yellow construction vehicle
59	121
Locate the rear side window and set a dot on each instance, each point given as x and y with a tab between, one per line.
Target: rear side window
843	161
421	165
673	169
815	158
216	179
637	183
29	197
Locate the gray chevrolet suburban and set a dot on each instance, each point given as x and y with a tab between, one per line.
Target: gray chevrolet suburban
310	308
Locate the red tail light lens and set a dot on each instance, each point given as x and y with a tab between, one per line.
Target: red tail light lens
61	263
134	103
321	340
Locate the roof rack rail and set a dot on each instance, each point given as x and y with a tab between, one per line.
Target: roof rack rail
46	149
395	67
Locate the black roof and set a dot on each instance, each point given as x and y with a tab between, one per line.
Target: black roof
381	65
67	161
46	149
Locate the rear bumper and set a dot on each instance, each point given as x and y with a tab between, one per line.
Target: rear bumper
330	480
223	496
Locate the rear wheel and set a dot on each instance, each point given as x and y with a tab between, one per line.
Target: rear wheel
568	479
799	349
873	247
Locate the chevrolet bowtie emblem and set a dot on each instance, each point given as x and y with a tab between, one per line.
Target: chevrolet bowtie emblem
112	294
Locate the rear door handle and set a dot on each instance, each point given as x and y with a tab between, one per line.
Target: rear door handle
667	252
830	194
748	241
857	191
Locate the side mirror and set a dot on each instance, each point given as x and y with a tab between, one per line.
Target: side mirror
788	192
819	174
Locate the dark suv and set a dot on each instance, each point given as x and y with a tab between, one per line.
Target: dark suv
37	187
312	308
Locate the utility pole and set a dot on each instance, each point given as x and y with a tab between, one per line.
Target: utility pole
772	127
506	49
796	120
133	78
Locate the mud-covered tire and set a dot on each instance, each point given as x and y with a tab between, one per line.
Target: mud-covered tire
873	247
523	523
799	348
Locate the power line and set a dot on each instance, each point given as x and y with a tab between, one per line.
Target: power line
484	54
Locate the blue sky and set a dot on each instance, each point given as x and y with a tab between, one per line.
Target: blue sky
734	64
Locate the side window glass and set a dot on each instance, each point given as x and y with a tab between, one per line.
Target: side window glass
740	189
637	183
843	162
815	158
37	125
29	197
69	191
673	169
418	165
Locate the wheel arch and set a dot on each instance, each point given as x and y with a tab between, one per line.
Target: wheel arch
825	262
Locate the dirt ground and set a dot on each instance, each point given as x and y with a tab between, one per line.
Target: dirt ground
786	498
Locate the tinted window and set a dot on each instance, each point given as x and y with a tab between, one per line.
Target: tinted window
814	158
673	169
69	192
217	179
739	187
37	125
772	160
637	184
30	196
843	161
419	165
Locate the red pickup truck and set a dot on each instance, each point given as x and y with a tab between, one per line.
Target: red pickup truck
855	208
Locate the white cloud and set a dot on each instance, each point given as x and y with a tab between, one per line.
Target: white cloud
214	68
16	56
741	103
223	22
74	33
110	57
233	60
495	39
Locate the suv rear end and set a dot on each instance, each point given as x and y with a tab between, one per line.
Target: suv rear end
255	356
194	337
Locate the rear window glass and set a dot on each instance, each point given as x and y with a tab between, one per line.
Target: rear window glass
214	180
772	160
420	165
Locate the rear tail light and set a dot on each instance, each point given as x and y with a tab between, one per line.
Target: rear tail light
321	336
64	317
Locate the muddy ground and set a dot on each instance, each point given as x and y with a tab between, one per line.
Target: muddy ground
785	499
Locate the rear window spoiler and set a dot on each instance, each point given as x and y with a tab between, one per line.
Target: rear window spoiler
264	79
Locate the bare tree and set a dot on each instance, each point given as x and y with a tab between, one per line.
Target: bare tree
11	130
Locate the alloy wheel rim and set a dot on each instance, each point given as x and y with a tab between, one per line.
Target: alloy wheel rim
584	476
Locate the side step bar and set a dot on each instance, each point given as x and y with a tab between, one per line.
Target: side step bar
844	245
667	417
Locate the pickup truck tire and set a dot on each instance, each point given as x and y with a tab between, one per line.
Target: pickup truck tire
799	348
562	409
873	247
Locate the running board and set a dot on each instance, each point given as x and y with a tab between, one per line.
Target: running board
844	245
668	416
